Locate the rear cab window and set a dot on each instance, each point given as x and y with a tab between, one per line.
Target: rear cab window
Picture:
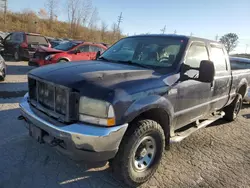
218	57
36	39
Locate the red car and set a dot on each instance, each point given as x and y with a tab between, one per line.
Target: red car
66	51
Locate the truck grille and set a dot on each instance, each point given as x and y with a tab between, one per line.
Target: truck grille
56	101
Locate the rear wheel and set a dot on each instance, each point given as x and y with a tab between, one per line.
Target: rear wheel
233	109
16	56
140	152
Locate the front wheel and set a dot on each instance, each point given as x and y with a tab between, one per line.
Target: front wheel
232	110
140	152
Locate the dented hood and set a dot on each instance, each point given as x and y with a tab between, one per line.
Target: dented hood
46	49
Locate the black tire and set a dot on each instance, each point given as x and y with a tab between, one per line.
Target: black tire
16	56
124	164
232	110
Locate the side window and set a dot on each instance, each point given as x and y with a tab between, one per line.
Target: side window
218	57
196	53
95	49
84	48
18	37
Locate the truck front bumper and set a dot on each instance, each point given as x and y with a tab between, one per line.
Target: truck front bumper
80	141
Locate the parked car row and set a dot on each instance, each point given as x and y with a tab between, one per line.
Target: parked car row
65	52
40	50
129	104
23	45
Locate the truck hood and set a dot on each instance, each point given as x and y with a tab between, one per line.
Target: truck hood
99	79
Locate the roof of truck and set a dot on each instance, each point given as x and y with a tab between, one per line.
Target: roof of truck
176	36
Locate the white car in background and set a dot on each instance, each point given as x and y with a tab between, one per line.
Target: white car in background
238	63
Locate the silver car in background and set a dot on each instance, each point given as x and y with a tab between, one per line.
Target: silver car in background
238	63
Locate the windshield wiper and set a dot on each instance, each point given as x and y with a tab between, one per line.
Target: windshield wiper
136	64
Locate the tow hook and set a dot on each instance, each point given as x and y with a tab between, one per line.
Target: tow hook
21	117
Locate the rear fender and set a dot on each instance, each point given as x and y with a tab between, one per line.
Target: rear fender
243	83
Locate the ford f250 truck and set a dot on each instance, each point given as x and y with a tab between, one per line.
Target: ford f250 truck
129	104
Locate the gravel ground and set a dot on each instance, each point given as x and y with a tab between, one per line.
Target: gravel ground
216	156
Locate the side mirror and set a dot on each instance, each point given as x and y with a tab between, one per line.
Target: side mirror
98	54
206	71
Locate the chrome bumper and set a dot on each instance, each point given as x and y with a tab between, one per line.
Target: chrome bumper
79	136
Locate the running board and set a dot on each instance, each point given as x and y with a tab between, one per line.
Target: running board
179	136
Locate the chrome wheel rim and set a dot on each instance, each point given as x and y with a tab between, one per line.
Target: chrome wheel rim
144	153
237	108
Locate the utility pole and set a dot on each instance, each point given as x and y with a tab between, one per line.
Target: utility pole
163	29
216	37
120	18
246	48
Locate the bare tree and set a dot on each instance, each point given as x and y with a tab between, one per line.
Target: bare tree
78	14
52	8
104	28
4	6
43	14
94	18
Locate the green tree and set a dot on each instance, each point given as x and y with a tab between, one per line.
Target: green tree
230	41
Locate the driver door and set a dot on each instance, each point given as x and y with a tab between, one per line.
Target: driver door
8	44
192	95
83	53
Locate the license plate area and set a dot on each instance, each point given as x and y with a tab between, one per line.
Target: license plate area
36	133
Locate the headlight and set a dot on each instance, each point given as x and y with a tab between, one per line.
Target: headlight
96	112
49	57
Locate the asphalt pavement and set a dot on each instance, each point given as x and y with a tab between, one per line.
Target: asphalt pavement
216	156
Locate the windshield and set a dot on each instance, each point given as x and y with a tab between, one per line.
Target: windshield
65	46
156	52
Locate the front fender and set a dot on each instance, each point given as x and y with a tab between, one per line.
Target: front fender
148	103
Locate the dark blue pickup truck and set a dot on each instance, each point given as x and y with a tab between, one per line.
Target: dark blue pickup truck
129	104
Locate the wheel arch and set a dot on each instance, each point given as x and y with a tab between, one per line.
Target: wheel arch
242	88
156	108
63	58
